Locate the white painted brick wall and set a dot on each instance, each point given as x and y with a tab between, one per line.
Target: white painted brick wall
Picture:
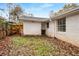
31	28
50	30
72	30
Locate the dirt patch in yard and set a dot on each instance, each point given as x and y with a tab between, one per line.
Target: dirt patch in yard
65	48
4	48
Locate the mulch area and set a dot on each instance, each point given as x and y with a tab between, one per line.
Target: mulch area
65	48
4	48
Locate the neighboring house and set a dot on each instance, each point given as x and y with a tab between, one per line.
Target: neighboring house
65	26
34	25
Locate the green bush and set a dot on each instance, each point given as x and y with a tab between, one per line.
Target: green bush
2	28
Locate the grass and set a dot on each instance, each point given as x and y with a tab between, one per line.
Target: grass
37	45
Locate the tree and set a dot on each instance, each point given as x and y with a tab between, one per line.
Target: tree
2	20
9	7
51	13
16	12
71	5
67	6
30	14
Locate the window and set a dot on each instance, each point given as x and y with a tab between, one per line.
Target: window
61	25
48	25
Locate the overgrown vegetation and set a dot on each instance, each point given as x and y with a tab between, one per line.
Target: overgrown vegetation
35	45
2	28
65	8
40	46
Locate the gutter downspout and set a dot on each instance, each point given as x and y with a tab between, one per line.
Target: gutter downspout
54	27
54	30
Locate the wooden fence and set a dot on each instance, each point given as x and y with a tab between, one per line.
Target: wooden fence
8	28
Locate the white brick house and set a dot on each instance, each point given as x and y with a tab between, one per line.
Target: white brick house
34	25
65	26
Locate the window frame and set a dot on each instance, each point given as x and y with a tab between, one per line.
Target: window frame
61	25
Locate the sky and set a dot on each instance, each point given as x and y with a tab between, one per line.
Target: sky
37	9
